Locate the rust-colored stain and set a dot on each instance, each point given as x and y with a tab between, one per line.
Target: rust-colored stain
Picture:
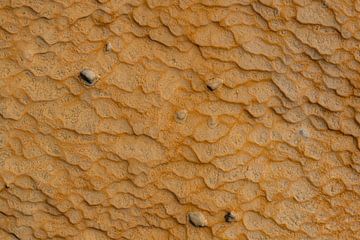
180	119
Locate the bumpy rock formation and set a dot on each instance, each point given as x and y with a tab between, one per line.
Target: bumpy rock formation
276	140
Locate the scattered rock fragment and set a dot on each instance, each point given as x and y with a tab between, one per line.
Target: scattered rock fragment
230	217
324	4
214	84
304	132
197	219
88	77
212	123
108	47
181	115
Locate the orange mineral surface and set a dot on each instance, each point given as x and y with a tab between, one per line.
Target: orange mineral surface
180	119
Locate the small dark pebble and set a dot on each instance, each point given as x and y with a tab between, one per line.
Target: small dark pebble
214	84
229	217
208	87
88	76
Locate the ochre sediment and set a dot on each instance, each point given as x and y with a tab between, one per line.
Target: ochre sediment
245	113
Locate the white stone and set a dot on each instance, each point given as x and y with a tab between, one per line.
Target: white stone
109	47
197	219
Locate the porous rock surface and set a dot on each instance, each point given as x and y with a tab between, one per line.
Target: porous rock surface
277	143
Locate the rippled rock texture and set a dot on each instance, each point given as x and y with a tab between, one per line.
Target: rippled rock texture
199	106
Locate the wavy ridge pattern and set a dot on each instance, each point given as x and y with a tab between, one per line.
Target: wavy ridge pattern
276	144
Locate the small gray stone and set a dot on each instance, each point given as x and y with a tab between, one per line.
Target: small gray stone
88	77
197	219
230	217
212	123
304	133
214	83
181	115
108	47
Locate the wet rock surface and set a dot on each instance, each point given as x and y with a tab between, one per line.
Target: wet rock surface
272	94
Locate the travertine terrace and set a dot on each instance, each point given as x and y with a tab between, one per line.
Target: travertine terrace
198	119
